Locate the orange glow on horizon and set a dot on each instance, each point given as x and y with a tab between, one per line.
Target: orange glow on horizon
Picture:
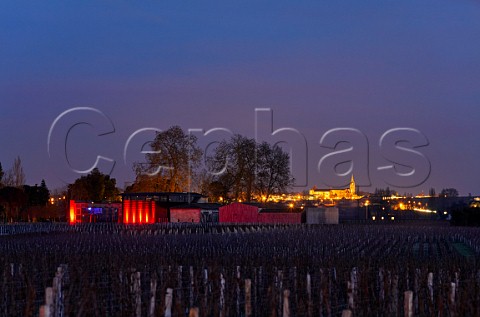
72	211
72	215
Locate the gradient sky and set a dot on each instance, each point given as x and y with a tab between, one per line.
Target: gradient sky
369	65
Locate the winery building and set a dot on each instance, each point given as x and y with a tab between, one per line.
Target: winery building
258	213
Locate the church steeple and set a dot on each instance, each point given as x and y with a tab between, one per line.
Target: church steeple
352	186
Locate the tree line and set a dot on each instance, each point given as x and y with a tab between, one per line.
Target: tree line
16	197
239	169
14	177
95	186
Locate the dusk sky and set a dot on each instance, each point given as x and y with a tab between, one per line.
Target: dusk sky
319	65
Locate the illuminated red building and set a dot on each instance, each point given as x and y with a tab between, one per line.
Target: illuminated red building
86	212
143	208
257	213
196	213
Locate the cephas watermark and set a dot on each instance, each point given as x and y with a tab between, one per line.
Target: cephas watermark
347	149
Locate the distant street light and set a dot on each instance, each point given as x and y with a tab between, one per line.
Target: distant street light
367	203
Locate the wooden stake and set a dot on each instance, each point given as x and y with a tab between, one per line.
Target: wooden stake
430	285
347	313
192	282
258	287
382	285
279	290
168	302
193	312
205	290
153	292
238	290
138	298
354	286
178	299
408	304
49	300
416	289
222	295
248	297
45	311
57	309
309	295
452	299
322	292
395	294
286	303
351	303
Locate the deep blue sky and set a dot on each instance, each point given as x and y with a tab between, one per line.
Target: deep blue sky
370	65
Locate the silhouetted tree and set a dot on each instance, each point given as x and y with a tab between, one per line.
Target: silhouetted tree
244	170
37	195
173	164
272	171
216	192
387	192
234	163
44	193
95	186
15	176
449	192
2	173
18	174
13	200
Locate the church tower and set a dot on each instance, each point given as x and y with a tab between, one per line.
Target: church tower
353	191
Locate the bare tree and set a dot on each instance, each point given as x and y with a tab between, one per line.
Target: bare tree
246	170
449	192
234	163
15	176
172	163
18	174
2	173
273	171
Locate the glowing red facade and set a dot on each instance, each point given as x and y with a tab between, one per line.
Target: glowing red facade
88	212
153	207
143	212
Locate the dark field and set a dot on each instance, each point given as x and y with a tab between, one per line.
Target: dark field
119	270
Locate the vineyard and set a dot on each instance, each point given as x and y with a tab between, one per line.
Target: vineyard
247	270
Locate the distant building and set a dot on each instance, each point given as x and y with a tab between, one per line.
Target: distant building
475	203
335	194
323	215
